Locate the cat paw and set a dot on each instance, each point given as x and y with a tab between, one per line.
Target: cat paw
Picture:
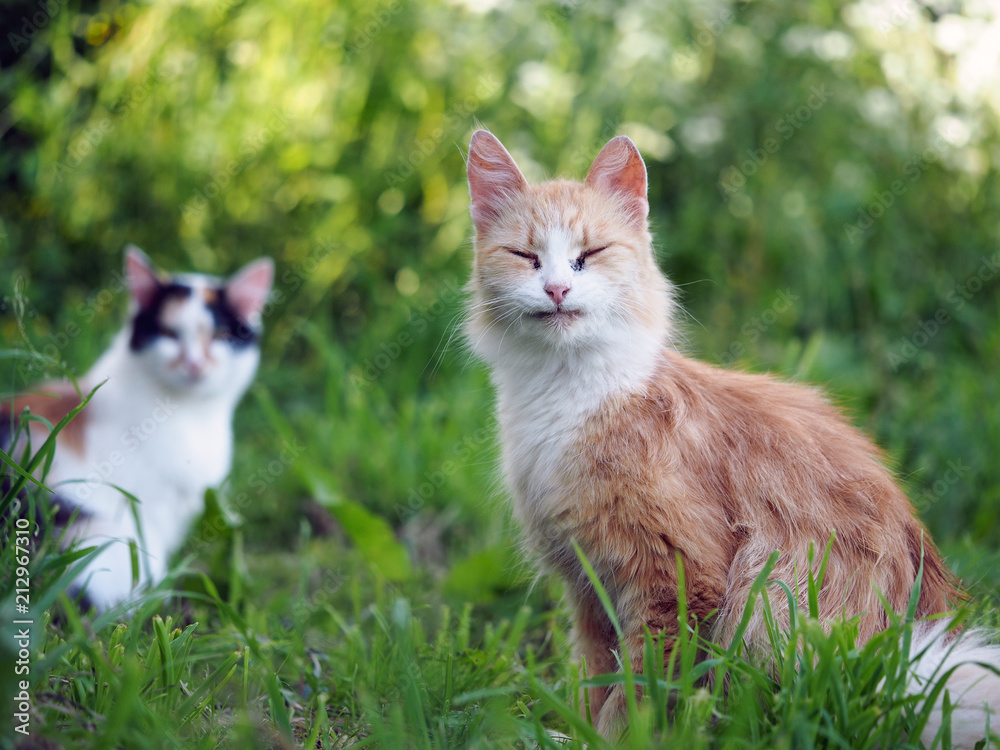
612	719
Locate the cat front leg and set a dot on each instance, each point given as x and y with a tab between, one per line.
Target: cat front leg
655	610
611	720
595	644
107	579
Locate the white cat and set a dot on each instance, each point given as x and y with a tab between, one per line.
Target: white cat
160	425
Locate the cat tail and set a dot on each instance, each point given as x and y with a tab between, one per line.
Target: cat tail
971	667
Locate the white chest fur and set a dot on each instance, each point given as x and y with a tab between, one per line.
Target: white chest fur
543	408
162	447
150	446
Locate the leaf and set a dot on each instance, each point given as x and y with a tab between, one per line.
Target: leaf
276	702
374	538
371	534
481	575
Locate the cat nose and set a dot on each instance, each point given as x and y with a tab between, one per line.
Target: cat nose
557	292
193	365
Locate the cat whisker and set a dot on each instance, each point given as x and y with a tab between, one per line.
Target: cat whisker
454	326
500	345
512	309
459	321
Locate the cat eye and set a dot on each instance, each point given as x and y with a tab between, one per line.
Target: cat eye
168	333
524	254
577	264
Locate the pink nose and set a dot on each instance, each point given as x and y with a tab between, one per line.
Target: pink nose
193	367
557	292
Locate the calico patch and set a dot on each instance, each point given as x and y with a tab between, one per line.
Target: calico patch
228	323
147	325
52	402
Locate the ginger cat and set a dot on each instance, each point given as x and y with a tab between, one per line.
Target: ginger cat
614	439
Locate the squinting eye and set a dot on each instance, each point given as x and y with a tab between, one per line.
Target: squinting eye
582	257
168	333
524	254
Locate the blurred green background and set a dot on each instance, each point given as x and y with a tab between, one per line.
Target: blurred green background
823	189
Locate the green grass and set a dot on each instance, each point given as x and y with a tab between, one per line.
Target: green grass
314	607
357	580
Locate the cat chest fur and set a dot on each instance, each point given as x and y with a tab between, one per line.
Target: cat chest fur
605	478
160	449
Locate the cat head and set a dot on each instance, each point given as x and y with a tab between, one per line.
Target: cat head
563	266
193	333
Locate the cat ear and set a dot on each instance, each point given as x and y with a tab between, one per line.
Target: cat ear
141	276
248	289
493	178
619	170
